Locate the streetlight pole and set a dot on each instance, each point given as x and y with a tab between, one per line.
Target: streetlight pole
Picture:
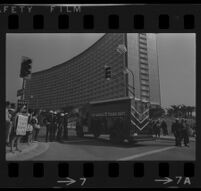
123	50
127	69
133	81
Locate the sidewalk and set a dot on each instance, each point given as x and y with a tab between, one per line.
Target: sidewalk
171	137
28	151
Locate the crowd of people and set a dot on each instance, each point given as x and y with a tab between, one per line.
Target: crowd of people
55	125
54	122
158	126
180	128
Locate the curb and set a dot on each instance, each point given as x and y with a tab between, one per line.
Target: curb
38	149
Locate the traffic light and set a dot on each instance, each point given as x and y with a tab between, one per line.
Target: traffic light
26	67
108	72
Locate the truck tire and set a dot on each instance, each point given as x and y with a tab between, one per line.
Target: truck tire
96	134
79	132
130	141
116	136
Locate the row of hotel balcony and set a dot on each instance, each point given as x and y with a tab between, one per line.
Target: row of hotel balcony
144	68
144	71
145	94
143	46
144	61
142	34
143	51
143	56
145	77
143	41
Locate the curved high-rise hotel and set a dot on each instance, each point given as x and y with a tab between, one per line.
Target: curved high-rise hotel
133	61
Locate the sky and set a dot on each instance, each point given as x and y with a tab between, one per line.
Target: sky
176	59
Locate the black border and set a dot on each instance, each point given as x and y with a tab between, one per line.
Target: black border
101	178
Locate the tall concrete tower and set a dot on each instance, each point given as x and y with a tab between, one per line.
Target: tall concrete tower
142	59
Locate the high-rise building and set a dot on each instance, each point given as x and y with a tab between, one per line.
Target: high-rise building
132	59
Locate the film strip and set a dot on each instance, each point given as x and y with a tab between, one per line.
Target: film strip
125	171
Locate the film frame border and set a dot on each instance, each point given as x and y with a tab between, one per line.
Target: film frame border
147	18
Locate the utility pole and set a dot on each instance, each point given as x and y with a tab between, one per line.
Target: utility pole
23	85
25	73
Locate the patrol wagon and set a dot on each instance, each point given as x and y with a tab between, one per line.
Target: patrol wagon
116	118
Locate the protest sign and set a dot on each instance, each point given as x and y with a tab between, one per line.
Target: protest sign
22	125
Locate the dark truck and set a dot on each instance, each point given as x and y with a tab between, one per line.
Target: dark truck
116	118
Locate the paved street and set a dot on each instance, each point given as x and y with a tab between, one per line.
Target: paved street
88	148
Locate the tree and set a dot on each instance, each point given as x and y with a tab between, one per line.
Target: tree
170	112
183	110
180	111
191	109
176	109
155	113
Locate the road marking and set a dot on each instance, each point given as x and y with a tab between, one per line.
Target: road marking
146	153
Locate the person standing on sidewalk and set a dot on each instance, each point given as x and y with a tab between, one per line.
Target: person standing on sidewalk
175	127
60	127
180	132
164	127
65	130
29	132
47	121
158	129
51	126
150	126
36	126
8	123
155	128
54	126
185	133
16	138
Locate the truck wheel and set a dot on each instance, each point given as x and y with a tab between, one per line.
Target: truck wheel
130	141
116	136
96	134
79	132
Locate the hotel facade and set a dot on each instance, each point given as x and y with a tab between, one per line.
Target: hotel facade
132	58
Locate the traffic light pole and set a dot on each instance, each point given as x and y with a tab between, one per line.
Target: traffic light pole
23	87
